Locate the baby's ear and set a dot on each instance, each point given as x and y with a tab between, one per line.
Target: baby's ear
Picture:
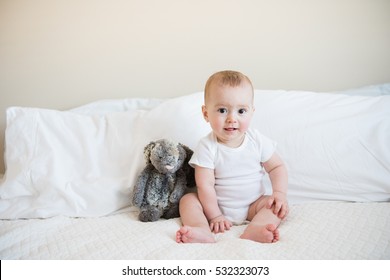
148	150
205	114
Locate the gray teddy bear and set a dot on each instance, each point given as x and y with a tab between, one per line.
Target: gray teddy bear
163	181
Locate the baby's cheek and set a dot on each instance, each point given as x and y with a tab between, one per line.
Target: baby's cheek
245	125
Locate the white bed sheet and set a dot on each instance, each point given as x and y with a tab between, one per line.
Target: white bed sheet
327	230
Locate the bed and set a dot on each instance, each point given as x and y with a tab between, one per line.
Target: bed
70	175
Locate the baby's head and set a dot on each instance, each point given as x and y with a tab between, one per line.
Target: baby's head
229	106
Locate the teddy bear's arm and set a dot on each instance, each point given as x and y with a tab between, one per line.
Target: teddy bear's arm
139	188
179	187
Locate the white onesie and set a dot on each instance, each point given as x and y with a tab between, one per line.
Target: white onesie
238	171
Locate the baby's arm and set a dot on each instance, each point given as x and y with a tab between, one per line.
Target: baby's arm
205	182
277	172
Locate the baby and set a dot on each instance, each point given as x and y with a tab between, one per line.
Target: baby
229	165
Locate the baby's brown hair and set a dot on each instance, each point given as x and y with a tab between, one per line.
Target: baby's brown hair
226	78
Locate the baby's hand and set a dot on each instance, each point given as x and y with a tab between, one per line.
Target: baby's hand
220	224
278	200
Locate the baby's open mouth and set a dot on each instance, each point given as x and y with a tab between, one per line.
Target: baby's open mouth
230	128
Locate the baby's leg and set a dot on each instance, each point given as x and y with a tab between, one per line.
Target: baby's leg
263	226
195	227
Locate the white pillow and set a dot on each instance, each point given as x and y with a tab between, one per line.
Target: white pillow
62	163
336	147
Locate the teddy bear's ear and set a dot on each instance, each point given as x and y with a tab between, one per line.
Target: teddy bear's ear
148	150
188	151
188	170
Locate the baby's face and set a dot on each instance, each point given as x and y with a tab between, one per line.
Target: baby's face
229	111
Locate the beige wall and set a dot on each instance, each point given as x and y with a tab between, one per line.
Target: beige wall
64	53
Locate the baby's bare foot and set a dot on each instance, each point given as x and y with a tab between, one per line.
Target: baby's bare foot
264	234
188	234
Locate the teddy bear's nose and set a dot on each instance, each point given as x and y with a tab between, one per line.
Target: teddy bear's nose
169	167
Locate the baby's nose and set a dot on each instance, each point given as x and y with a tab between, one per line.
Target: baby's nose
231	118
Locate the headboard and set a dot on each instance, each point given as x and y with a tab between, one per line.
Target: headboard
62	54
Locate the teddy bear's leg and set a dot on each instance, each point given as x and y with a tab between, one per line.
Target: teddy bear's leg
149	214
172	212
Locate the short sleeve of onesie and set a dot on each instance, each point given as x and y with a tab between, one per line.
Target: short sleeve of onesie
268	146
204	153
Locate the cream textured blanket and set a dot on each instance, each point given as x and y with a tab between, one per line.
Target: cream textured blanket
326	230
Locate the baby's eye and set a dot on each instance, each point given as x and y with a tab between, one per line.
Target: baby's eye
242	111
222	110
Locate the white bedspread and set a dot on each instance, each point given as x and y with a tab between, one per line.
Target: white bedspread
329	230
